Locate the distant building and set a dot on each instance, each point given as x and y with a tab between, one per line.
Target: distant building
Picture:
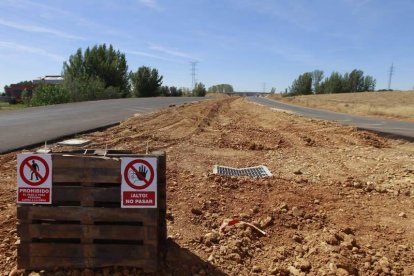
52	79
14	91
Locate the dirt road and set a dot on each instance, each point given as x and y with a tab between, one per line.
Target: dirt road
340	201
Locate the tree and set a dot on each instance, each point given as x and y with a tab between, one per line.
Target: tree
302	85
199	90
98	67
164	91
46	94
145	82
175	92
334	83
356	81
220	88
317	76
369	83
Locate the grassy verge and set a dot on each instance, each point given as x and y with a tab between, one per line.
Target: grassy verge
394	104
7	106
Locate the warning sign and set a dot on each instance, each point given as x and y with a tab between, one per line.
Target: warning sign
139	182
34	178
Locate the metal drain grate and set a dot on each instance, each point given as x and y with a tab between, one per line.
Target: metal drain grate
258	171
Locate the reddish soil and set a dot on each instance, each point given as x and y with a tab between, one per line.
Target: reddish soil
340	201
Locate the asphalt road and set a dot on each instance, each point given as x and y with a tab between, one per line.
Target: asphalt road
391	127
26	127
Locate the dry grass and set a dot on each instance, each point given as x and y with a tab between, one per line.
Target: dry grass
396	104
7	106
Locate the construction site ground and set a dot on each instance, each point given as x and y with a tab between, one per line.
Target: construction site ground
340	201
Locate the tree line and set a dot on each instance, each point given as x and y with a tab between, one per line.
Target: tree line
101	72
315	83
221	88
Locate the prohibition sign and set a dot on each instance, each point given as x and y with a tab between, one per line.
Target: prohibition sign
42	178
130	166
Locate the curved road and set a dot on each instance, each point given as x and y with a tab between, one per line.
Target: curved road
396	128
27	127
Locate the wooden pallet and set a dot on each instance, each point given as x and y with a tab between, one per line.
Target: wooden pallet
85	226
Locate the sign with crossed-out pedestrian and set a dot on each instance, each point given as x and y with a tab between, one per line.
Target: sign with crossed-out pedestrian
34	178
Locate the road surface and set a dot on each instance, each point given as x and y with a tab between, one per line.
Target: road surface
27	127
387	126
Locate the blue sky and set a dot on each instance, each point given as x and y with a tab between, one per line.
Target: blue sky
247	43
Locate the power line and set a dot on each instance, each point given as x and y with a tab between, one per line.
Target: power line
193	73
391	72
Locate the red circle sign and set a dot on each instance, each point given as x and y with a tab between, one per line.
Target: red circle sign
138	174
43	178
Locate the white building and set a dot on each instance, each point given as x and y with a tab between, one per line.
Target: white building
52	79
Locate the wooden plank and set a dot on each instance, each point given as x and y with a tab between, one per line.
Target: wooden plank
84	162
70	250
26	214
86	169
90	175
40	263
27	232
74	193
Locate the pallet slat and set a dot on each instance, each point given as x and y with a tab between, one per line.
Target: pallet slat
75	193
53	262
91	175
84	227
26	214
27	232
70	250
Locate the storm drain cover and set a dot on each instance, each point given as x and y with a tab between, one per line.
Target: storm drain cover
258	171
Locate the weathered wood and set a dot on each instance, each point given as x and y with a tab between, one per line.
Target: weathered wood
85	162
26	214
74	193
90	175
27	232
38	263
96	232
70	250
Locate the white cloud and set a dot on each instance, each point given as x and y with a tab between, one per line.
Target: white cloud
17	47
149	3
171	52
50	13
38	29
145	54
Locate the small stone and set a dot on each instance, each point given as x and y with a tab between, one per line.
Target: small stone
210	258
297	212
34	274
169	216
402	215
211	238
256	269
316	201
15	272
298	172
235	257
294	271
283	206
303	265
297	238
357	185
196	211
265	222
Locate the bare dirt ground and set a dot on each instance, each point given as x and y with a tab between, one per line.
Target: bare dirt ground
396	104
340	201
